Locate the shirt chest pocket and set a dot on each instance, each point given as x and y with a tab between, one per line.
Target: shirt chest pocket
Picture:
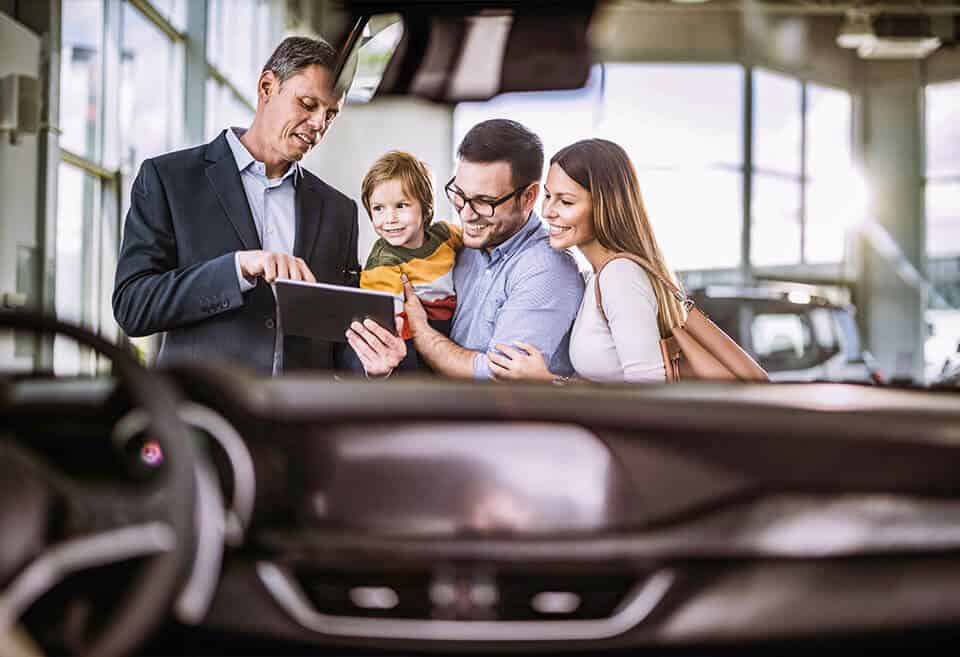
493	306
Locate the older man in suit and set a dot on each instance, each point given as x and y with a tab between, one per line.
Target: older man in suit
210	227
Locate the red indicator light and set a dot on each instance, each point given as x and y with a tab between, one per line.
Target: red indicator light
151	453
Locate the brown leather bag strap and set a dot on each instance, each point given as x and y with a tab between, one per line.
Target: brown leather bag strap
648	267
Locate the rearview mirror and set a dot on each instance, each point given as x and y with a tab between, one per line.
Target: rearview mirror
457	51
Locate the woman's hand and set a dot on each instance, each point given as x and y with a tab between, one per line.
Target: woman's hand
378	349
525	362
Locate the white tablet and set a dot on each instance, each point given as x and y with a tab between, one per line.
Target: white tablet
324	312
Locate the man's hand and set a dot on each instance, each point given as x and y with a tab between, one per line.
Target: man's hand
416	315
270	266
379	350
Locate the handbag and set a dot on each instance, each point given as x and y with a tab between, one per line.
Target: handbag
697	348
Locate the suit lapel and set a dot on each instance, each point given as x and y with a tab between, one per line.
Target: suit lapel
225	179
309	216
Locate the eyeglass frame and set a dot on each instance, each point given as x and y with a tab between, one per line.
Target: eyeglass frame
494	204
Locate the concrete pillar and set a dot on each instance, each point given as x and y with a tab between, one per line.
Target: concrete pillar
891	142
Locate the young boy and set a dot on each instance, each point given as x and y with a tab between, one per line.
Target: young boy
398	196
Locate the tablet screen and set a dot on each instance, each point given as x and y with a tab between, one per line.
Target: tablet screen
324	312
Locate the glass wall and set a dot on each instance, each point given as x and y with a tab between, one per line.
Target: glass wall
558	117
235	63
776	223
151	91
81	77
942	196
78	195
680	124
943	170
81	180
683	127
122	100
805	192
835	195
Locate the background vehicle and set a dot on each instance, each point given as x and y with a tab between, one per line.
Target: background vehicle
950	374
793	334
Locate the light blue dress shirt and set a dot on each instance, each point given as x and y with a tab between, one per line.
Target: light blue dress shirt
272	203
522	290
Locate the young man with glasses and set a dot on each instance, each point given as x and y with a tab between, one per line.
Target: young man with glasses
511	286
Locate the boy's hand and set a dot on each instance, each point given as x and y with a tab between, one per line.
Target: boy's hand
416	315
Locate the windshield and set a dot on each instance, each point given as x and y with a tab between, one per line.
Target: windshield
767	153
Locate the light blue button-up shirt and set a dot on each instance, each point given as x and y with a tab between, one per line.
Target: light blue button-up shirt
522	290
272	203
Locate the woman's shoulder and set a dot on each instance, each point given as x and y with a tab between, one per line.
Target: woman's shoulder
621	278
624	270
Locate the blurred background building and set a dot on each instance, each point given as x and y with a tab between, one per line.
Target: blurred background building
764	150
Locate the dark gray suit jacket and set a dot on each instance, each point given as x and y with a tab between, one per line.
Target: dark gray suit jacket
176	273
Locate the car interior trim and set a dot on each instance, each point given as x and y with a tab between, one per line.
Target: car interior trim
237	518
216	525
241	463
636	607
197	594
75	555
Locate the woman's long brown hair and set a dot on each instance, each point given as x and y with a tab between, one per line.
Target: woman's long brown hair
620	220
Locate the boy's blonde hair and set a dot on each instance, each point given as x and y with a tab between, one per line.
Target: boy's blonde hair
414	176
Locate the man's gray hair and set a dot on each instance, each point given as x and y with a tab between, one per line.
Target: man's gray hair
297	53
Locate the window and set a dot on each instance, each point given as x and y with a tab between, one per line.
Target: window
234	62
81	84
78	201
238	60
776	237
835	195
122	100
942	197
943	170
777	123
805	192
81	179
380	39
151	91
175	11
558	117
681	125
224	109
943	219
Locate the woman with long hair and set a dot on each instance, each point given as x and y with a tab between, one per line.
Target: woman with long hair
592	201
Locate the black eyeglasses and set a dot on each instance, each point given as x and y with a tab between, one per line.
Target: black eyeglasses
482	207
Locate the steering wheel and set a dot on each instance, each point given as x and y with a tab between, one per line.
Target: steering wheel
98	524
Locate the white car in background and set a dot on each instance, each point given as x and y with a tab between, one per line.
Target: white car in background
794	334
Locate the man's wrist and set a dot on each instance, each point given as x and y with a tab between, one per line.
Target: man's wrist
424	337
245	283
376	377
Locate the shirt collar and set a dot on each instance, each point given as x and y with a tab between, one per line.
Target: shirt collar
245	159
513	244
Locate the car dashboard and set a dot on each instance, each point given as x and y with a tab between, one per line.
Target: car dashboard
442	516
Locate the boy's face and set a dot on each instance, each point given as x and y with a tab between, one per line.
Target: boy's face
397	216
